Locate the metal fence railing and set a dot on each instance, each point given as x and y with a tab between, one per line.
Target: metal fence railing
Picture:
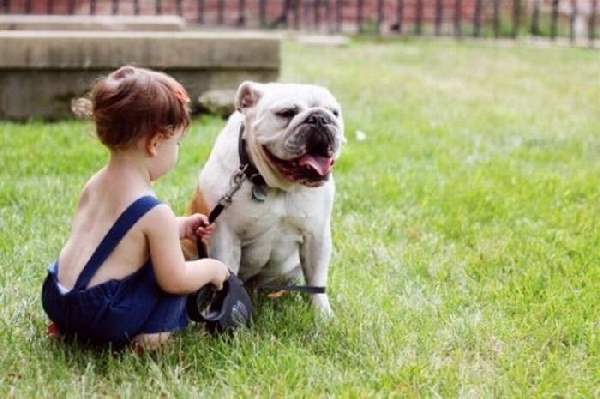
575	20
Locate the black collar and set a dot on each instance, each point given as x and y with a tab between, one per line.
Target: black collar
251	172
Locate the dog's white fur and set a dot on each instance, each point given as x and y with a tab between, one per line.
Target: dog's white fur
288	236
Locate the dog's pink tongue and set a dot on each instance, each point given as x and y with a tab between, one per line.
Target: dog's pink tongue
321	165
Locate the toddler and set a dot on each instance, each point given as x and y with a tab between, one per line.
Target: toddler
121	276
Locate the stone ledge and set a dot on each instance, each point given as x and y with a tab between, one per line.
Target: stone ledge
41	72
92	22
161	50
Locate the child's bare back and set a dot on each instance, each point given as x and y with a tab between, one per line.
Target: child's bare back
104	197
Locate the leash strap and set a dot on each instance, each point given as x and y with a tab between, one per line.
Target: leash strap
309	289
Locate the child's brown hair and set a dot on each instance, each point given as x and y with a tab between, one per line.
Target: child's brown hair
133	102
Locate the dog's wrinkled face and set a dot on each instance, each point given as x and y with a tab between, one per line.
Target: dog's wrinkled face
294	132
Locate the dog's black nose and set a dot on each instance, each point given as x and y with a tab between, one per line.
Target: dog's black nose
318	118
320	143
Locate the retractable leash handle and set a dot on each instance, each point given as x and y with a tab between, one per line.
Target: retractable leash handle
220	310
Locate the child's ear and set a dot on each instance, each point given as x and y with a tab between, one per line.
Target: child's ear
151	145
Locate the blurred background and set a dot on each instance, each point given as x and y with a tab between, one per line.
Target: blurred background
576	20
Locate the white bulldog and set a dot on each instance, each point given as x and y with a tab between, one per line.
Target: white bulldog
277	229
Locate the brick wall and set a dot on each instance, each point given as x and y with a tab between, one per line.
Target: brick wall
189	9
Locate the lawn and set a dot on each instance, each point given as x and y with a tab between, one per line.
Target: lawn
466	235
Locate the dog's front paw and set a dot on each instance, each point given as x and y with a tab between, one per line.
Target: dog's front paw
321	304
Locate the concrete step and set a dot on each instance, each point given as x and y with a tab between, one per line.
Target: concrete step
42	71
92	22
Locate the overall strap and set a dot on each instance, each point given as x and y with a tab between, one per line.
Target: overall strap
110	241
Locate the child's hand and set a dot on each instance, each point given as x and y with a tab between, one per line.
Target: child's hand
220	273
195	227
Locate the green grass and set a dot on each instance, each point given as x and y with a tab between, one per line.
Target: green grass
466	234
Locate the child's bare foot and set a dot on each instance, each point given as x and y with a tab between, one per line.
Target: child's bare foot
150	342
52	331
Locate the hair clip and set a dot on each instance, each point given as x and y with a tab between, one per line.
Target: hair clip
181	95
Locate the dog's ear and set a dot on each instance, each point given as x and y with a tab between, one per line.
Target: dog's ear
247	95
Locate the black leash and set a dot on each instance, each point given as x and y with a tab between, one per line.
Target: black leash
248	171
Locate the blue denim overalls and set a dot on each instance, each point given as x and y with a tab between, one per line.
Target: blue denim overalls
117	310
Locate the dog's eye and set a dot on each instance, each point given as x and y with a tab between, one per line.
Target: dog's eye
335	112
287	113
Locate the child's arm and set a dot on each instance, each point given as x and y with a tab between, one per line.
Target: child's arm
173	273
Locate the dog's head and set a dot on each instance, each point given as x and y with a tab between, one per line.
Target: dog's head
294	132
